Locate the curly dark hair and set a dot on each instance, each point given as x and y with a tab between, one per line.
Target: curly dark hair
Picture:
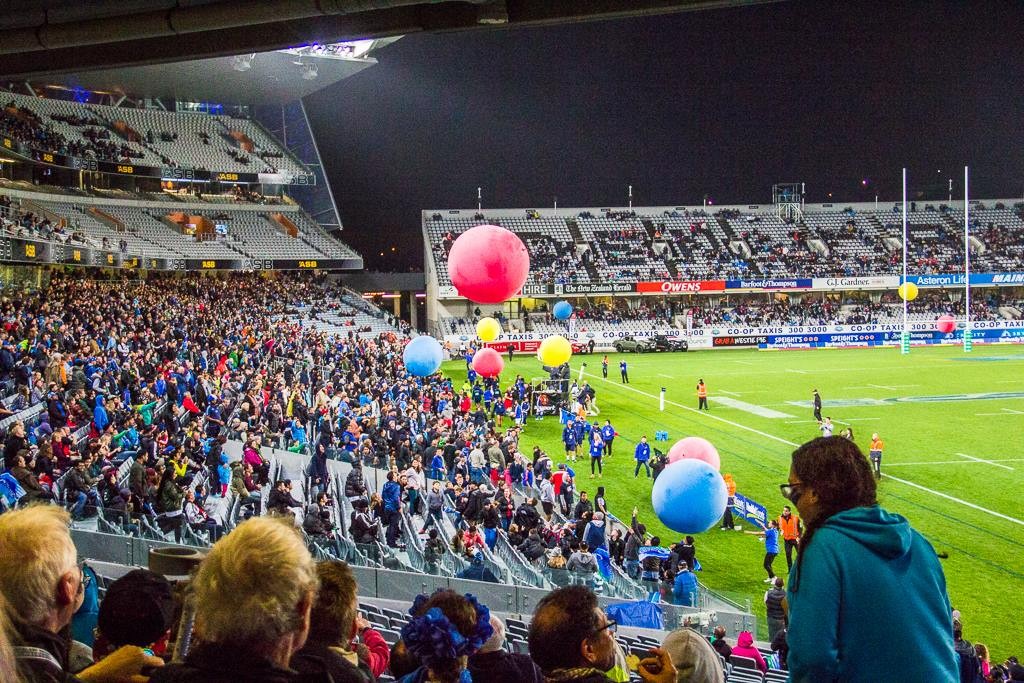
841	476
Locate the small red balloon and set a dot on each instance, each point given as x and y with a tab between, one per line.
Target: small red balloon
946	323
488	362
488	264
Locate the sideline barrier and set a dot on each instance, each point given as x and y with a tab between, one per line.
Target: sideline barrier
390	584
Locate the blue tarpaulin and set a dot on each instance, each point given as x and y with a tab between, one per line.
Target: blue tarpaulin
640	614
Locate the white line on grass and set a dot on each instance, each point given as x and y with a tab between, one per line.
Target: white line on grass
954	462
729	393
796	445
987	462
1005	411
744	362
799	372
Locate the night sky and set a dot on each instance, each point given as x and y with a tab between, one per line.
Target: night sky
722	102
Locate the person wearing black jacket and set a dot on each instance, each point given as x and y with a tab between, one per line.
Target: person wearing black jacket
355	485
527	516
363	527
280	499
317	521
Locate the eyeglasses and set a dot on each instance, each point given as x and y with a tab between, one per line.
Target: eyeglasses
612	626
791	492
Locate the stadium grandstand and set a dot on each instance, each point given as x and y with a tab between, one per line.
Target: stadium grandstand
643	271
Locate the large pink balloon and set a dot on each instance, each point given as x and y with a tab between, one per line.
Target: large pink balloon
488	264
946	323
695	448
488	363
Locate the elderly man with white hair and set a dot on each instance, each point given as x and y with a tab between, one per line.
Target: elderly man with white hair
252	596
493	664
44	585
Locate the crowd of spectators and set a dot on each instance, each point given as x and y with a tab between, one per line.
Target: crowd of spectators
115	359
30	225
24	125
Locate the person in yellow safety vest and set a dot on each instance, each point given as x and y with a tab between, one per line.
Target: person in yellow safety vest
875	454
789	525
702	396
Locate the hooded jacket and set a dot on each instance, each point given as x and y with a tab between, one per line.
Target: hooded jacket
865	581
745	648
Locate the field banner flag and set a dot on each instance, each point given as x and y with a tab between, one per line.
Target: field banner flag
750	510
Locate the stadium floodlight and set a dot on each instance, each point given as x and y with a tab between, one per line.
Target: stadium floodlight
242	62
309	71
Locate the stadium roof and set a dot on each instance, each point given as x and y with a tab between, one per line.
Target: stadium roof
60	36
262	78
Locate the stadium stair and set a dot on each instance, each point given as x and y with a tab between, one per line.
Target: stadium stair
574	230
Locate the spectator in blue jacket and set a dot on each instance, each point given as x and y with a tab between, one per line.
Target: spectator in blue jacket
608	434
391	494
684	589
570	441
642	454
863	577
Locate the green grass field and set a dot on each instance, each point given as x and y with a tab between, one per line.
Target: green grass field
954	458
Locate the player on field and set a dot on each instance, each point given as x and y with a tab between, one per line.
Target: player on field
817	406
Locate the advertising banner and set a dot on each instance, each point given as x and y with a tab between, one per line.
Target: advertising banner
750	510
680	287
596	288
869	282
957	279
794	283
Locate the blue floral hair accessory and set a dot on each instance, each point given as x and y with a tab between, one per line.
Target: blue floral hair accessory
434	640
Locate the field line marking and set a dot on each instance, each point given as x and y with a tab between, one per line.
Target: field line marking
744	362
954	462
882	386
957	500
729	393
799	372
987	462
751	408
787	442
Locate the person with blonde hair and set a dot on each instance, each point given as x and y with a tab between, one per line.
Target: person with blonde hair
694	658
252	597
8	673
44	586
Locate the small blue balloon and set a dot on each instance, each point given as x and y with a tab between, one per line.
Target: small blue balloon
562	310
689	496
423	356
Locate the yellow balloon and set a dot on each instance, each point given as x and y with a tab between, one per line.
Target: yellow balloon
488	329
907	291
555	350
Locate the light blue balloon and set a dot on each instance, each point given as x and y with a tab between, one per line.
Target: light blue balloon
562	310
689	496
423	356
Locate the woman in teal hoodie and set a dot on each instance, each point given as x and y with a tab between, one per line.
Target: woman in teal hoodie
863	580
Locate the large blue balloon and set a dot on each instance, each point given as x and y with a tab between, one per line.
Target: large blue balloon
562	310
423	356
689	496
